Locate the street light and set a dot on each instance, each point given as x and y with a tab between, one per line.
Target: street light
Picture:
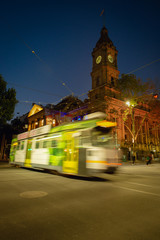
128	103
131	106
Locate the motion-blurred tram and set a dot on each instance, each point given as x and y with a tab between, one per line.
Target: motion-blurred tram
79	148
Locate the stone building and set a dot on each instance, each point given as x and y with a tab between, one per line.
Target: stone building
105	96
67	110
40	116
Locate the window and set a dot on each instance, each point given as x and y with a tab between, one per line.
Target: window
102	137
41	122
37	144
22	145
18	146
53	143
44	144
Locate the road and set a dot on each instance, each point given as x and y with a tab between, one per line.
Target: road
38	205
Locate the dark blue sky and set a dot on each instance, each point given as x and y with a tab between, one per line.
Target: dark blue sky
63	35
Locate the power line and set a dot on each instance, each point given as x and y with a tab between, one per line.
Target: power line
33	89
146	65
36	55
38	102
30	102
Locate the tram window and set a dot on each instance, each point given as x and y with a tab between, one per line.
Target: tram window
37	144
44	144
102	137
53	143
22	145
18	146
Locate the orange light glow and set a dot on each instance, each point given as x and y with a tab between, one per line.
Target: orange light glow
105	123
155	96
104	162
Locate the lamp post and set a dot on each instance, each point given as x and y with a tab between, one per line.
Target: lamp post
116	128
132	131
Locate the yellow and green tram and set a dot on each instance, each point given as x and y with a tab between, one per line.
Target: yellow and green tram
79	148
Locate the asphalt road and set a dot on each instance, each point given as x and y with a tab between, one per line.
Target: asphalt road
38	205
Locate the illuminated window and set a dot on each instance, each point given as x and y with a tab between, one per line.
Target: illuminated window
54	122
41	122
36	124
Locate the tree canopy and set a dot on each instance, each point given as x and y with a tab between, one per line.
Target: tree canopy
7	102
139	95
68	104
133	89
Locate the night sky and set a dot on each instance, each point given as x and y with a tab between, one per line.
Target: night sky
44	44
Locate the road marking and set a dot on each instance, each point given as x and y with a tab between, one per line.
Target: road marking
139	191
33	194
140	184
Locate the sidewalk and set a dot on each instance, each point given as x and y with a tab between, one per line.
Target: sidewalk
139	162
4	164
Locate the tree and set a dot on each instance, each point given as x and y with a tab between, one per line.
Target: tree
68	104
7	102
135	93
7	105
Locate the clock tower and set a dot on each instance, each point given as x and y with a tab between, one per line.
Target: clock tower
104	69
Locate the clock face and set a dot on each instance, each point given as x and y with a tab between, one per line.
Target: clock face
98	59
110	58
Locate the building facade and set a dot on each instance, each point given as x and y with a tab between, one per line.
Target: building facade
40	116
105	96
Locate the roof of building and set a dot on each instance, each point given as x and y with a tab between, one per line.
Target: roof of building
104	38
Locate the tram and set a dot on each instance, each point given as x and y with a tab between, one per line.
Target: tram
80	148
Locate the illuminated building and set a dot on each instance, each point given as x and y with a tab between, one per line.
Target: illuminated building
105	96
40	116
68	109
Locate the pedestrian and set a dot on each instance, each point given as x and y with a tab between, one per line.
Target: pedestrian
149	159
133	158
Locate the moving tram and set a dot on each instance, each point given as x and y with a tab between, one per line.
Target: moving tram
80	148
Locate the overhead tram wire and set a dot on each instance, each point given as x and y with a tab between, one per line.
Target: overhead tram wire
146	65
33	89
38	57
29	102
